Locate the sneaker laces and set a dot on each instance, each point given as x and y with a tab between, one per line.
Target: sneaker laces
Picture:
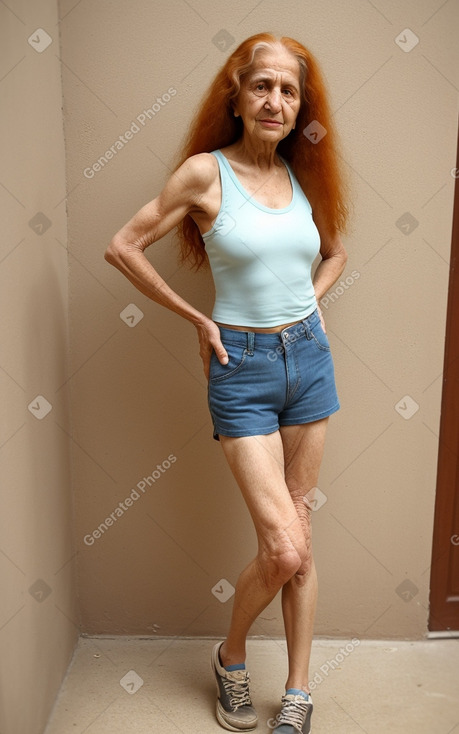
236	686
294	711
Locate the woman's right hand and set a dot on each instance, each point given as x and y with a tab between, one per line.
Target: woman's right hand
209	341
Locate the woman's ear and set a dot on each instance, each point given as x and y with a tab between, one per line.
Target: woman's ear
234	106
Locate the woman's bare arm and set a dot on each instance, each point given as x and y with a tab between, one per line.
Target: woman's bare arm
334	257
183	194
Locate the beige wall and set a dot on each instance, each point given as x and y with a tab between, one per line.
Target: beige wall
138	391
38	610
138	395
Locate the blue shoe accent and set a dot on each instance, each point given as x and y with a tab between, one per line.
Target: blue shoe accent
230	668
297	692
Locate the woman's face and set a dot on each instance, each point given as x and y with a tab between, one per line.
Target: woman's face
269	99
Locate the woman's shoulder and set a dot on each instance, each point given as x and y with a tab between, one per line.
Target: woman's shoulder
200	169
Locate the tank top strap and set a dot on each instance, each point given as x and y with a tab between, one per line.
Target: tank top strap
295	183
232	191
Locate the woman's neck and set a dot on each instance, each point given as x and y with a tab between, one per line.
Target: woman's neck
259	153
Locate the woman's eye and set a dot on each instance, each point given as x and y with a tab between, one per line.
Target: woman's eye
288	92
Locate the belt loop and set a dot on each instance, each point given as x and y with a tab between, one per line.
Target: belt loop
307	328
250	342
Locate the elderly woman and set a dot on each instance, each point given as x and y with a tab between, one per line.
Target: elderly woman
258	194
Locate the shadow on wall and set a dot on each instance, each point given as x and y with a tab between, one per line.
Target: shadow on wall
45	625
49	527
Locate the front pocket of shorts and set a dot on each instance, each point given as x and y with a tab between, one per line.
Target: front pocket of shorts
236	359
320	337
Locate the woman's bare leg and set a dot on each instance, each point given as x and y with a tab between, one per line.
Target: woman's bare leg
257	463
303	451
281	522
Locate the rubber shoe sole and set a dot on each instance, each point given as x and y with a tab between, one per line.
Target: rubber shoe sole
220	711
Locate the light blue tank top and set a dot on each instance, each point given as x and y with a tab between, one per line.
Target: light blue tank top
260	257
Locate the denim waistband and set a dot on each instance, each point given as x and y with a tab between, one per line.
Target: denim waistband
250	339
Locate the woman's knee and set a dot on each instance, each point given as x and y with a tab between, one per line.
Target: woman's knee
280	566
302	573
277	568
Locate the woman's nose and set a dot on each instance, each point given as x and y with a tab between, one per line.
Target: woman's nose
274	100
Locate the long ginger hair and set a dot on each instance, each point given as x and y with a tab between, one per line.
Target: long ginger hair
314	164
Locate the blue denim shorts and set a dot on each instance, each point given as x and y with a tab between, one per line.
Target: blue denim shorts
271	380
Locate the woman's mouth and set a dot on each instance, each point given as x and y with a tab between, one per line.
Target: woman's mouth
270	123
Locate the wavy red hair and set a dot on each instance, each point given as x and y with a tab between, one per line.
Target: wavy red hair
315	165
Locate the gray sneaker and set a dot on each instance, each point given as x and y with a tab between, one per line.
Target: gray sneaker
234	707
295	715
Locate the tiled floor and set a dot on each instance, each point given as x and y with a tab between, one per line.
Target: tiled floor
144	686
